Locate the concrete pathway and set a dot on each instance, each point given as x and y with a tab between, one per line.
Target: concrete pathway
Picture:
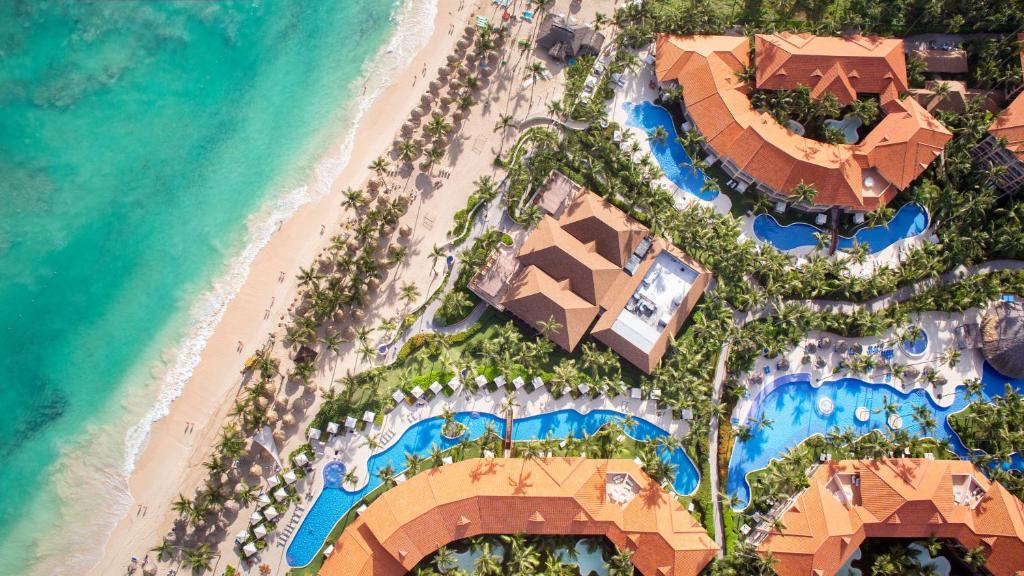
716	397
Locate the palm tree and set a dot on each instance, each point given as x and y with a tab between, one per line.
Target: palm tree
438	126
880	216
353	198
487	564
434	154
380	166
536	70
409	293
621	564
413	462
163	550
199	558
549	327
658	134
386	474
407	151
976	558
182	506
803	193
444	560
505	121
555	108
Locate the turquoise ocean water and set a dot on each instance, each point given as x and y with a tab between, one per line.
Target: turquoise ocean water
136	139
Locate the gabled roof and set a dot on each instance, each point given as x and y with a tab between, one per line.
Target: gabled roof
591	218
860	63
844	175
896	498
536	496
536	297
1009	125
563	257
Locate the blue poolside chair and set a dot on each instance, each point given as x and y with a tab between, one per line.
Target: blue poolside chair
767	370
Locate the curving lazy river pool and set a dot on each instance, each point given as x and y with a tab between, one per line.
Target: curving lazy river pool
334	502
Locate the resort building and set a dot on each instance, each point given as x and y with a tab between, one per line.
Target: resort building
589	268
564	40
1004	146
757	151
553	496
853	500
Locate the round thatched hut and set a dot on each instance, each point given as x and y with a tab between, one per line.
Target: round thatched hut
1002	335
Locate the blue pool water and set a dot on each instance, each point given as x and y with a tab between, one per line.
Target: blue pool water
334	474
333	503
909	221
918	346
671	155
791	406
848	126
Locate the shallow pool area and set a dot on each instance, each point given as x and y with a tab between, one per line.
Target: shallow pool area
670	154
848	126
792	407
334	502
910	220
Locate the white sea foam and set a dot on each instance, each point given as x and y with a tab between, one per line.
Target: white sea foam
76	482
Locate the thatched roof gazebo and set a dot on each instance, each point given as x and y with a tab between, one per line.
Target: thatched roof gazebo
1002	334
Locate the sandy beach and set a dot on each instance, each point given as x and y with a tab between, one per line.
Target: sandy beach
171	462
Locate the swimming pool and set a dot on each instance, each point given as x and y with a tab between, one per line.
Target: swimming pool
848	126
909	221
670	154
333	503
791	406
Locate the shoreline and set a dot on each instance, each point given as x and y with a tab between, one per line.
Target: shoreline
168	460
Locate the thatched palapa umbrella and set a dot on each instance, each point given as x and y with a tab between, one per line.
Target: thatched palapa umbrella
405	231
256	470
1002	336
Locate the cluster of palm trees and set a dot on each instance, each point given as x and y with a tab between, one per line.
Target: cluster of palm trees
995	428
522	555
897	558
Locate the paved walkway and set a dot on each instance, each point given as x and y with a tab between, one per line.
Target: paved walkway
901	294
716	397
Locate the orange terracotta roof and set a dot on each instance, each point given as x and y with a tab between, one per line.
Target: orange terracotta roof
859	63
591	218
536	297
572	269
896	498
564	257
1009	126
553	496
850	176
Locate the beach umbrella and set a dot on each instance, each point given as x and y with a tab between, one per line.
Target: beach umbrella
825	343
469	31
271	389
434	86
259	531
301	459
288	420
249	549
405	231
256	470
462	44
255	517
279	436
272	417
280	494
359	314
290	477
444	71
232	506
149	568
842	347
911	372
452	58
349	332
271	513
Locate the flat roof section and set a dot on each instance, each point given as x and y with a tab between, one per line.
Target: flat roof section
651	307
